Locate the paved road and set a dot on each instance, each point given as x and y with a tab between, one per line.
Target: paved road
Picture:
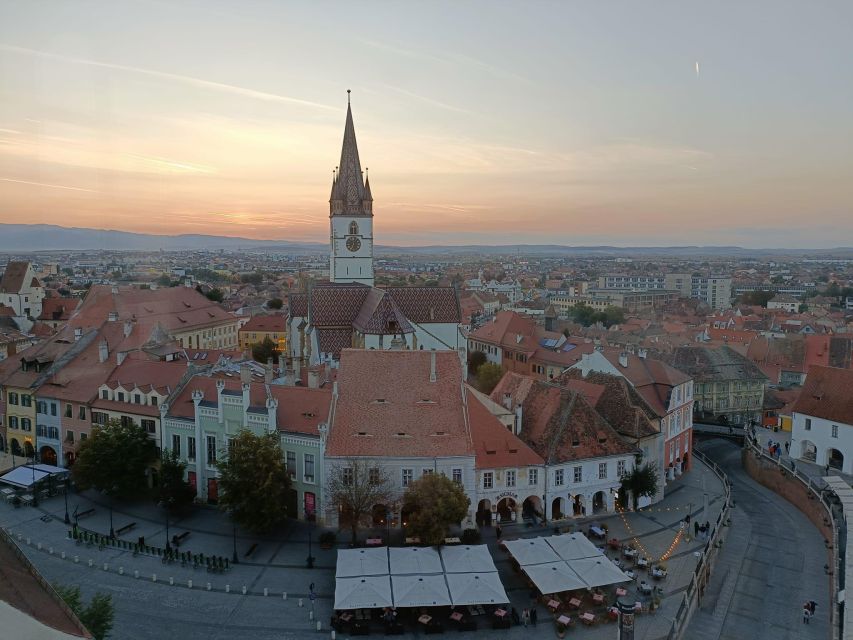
771	563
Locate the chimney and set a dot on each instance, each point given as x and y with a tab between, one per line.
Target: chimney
113	316
313	378
508	401
78	333
623	359
245	374
120	356
103	351
188	283
114	290
432	366
297	371
268	371
128	328
397	343
642	353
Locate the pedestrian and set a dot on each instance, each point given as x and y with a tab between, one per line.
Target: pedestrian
534	615
516	620
696	529
826	470
787	447
498	531
807	614
812	606
525	617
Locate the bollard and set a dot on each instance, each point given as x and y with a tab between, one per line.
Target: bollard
136	574
153	577
28	541
90	562
284	596
172	582
62	555
20	536
244	589
121	571
319	626
189	584
310	615
227	588
38	546
300	602
50	550
106	567
76	559
333	634
266	591
208	586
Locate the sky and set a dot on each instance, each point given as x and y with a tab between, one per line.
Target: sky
621	123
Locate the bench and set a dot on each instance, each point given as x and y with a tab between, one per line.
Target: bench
251	550
178	538
125	528
87	512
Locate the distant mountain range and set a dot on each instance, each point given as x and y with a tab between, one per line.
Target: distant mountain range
24	238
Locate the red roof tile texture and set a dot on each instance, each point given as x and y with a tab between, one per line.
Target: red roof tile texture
272	323
826	394
495	446
14	277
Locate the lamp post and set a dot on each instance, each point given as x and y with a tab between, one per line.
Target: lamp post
234	523
110	495
166	504
65	493
626	620
310	559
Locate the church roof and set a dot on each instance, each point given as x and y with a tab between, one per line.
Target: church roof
380	315
427	304
348	191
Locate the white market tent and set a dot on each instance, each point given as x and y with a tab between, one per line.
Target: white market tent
23	477
414	560
367	592
531	551
554	577
420	591
476	588
371	561
571	546
597	572
467	559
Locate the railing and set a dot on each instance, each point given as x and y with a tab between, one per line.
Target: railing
836	617
703	568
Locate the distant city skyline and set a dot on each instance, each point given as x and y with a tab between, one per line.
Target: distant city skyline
614	123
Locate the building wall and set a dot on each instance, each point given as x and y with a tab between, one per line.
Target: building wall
740	400
346	265
529	484
219	336
18	413
49	429
248	338
819	432
589	485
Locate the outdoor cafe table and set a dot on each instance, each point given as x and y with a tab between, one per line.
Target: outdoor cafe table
553	604
564	619
452	541
7	491
424	619
500	613
574	603
374	542
456	616
621	592
598	532
587	618
642	562
414	540
628	552
598	598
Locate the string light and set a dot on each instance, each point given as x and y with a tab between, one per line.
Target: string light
675	542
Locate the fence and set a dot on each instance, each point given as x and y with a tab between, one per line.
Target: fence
828	518
702	572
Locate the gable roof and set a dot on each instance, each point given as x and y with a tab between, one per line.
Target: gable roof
427	304
826	394
495	446
276	323
15	277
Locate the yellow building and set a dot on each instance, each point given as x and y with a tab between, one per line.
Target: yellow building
261	327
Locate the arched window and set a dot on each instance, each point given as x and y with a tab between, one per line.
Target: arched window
353	228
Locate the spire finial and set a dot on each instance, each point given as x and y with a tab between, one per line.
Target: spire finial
348	92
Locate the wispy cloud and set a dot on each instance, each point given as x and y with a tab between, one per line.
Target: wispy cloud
173	77
49	186
172	165
430	101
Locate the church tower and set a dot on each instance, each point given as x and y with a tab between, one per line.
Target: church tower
350	216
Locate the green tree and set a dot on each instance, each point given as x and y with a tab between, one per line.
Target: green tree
756	298
114	459
613	315
275	303
355	486
97	617
255	278
164	280
475	360
263	351
640	481
175	492
434	503
488	376
254	482
215	294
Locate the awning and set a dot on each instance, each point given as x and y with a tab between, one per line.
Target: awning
23	477
599	571
476	588
531	551
368	592
414	560
51	469
571	546
371	561
554	577
467	559
420	591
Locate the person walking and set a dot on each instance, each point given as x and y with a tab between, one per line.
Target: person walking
695	528
787	447
807	614
534	615
516	619
812	606
525	617
498	531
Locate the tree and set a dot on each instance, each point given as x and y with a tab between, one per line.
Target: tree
255	278
175	492
640	481
275	303
215	295
434	502
355	486
114	459
164	280
756	298
263	351
475	360
97	617
488	376
254	482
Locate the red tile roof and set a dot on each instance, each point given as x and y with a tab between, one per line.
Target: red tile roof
424	305
388	405
380	315
826	394
272	323
14	277
58	309
495	446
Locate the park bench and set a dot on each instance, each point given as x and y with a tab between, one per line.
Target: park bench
87	512
178	538
125	528
251	550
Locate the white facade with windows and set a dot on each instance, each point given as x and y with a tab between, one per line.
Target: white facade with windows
822	442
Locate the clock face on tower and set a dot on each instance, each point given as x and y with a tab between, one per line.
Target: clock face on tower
353	243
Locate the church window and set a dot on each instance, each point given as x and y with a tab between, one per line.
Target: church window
353	228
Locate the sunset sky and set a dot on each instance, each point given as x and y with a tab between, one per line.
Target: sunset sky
625	123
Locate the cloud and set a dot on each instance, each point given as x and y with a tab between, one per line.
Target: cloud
49	186
174	77
430	101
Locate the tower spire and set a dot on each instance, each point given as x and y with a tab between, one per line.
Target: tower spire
349	188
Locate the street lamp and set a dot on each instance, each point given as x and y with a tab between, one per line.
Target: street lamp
65	493
35	488
310	559
166	504
234	523
110	495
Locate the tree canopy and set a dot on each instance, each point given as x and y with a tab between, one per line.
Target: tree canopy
355	486
114	459
263	351
97	617
488	376
254	482
756	298
275	303
434	502
175	492
475	360
586	315
640	481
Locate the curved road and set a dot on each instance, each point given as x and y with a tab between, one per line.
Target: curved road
772	562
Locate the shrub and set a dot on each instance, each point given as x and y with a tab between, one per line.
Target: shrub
328	537
471	536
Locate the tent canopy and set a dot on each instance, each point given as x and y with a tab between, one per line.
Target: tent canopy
411	560
554	577
23	477
476	588
420	591
368	592
467	559
571	546
51	469
371	561
531	551
597	572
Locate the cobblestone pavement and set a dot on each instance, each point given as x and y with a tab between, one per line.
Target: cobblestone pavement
146	609
772	562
